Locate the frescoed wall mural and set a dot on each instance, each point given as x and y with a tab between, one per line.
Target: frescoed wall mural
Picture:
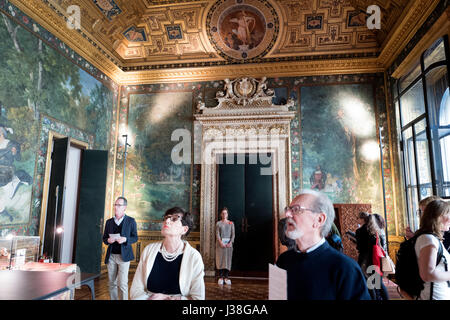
153	181
41	90
339	143
334	144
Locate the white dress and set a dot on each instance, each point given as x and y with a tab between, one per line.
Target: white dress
441	291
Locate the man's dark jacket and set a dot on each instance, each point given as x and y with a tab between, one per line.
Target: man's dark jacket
129	230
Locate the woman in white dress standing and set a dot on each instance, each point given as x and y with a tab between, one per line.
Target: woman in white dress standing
224	246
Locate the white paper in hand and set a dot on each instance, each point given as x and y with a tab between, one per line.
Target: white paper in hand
277	283
114	236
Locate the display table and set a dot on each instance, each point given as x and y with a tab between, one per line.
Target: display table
31	285
40	266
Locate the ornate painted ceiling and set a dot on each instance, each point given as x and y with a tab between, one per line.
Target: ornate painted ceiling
129	36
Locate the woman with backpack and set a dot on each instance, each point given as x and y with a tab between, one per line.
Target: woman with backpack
428	247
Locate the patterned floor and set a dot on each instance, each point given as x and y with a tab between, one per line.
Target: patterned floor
240	289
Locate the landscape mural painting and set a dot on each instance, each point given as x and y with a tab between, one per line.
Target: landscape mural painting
153	182
340	151
37	82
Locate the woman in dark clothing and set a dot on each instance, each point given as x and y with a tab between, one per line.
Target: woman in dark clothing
362	240
366	237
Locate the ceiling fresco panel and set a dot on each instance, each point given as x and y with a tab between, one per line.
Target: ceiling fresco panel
153	33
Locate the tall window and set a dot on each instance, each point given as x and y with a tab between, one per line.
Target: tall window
422	105
444	141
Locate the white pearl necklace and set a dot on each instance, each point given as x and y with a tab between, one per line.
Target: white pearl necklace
168	256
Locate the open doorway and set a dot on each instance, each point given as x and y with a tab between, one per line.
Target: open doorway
245	189
62	195
74	203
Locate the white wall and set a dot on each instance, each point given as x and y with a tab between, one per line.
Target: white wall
70	203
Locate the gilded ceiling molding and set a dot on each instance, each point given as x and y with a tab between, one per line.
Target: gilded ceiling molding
55	24
279	69
416	14
111	65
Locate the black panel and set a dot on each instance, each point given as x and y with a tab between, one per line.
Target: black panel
52	241
258	210
91	208
248	196
232	195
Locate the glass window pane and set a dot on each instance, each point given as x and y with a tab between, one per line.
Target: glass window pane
412	103
445	154
410	77
413	207
444	110
410	165
435	53
397	118
439	105
423	160
410	177
437	84
394	89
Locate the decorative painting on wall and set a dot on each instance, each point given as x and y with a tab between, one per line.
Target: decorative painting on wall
154	181
242	31
339	143
36	80
16	166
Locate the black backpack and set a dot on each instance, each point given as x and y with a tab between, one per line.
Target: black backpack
407	269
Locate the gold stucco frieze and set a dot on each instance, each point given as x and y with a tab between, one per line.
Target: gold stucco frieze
108	61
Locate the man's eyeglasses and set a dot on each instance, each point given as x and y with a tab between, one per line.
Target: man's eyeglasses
173	217
297	209
119	205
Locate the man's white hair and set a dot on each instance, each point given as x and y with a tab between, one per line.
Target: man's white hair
323	204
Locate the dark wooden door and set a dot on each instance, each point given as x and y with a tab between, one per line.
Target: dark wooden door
91	207
52	240
248	195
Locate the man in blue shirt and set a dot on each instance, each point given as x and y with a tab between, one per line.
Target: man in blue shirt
315	270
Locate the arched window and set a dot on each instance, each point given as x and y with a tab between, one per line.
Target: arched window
444	110
444	139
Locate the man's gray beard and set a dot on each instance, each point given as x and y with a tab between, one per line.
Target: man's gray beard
294	234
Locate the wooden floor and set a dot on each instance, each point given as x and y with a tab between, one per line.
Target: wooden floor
240	289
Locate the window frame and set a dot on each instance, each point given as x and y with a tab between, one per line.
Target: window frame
411	125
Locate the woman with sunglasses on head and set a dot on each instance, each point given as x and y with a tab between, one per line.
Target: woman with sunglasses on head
170	269
224	246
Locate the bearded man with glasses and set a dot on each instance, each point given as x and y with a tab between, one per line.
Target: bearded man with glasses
315	270
120	233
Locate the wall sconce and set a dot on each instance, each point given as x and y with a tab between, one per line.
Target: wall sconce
125	162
